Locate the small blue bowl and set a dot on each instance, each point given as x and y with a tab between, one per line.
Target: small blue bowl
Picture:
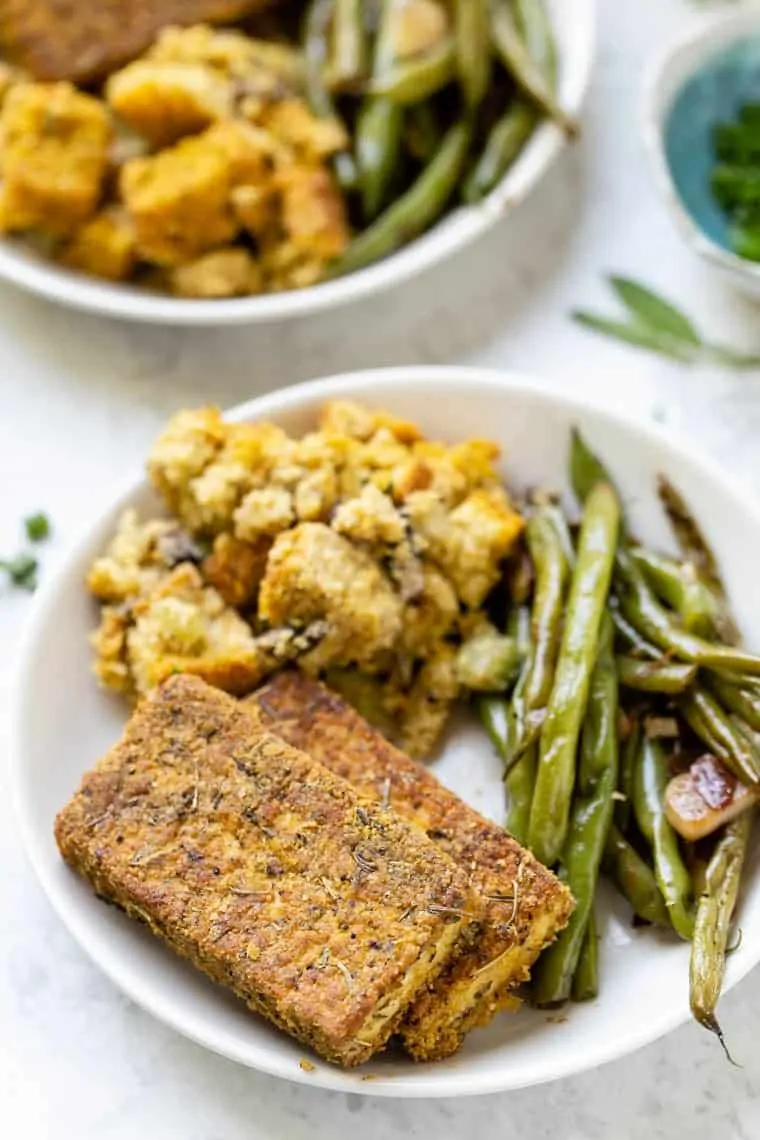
700	82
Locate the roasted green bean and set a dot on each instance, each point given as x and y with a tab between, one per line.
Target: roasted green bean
520	782
586	976
678	586
713	922
566	709
590	820
672	877
515	57
411	214
414	80
422	131
697	551
586	470
628	755
551	573
644	612
634	878
736	698
636	643
505	141
348	59
494	716
377	132
473	49
655	676
711	723
536	31
316	51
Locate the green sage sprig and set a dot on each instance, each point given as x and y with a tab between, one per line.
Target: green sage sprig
655	324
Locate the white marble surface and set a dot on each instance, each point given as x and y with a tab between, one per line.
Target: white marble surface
79	401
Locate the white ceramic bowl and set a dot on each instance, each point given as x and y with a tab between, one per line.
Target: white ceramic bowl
62	723
698	81
574	26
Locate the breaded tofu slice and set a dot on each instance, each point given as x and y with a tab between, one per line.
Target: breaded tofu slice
323	912
526	905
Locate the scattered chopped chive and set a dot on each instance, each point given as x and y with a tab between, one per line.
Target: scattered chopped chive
22	571
37	527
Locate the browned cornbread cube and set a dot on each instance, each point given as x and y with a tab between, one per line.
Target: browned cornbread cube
87	39
54	145
323	912
526	905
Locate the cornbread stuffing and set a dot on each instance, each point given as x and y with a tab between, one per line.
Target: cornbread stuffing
200	170
360	551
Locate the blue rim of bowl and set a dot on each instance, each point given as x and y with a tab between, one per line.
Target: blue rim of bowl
729	29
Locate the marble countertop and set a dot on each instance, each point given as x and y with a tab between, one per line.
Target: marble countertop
81	398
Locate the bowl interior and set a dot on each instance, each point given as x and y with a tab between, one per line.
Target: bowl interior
62	723
575	34
713	94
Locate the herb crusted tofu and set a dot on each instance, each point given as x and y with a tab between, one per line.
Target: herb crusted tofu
525	904
323	912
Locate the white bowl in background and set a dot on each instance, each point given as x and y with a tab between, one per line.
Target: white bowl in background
575	28
62	723
703	77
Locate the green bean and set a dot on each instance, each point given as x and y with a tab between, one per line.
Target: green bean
713	923
316	48
590	822
697	551
737	699
634	878
558	519
587	601
599	739
473	49
678	586
520	782
708	720
519	628
655	676
348	63
586	470
422	131
635	641
551	570
415	210
514	55
628	754
645	613
416	79
494	716
651	778
505	141
536	31
377	132
586	976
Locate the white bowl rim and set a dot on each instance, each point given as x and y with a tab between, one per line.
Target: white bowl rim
455	231
426	1083
713	32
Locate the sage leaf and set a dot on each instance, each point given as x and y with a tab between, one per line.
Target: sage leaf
639	335
655	312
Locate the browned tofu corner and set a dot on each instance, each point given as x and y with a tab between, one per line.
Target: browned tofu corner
323	912
525	904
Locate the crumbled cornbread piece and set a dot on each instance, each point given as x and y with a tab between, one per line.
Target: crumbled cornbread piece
221	273
310	137
53	157
178	200
184	626
313	212
312	574
138	557
103	246
257	208
359	547
263	67
164	102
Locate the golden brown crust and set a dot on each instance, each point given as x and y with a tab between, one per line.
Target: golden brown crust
526	903
267	871
87	39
